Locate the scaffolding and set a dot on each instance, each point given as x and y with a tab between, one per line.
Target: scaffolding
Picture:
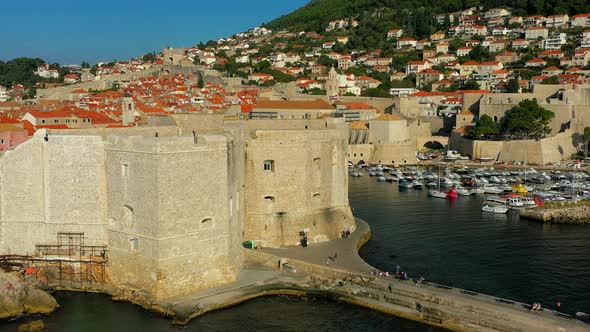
68	263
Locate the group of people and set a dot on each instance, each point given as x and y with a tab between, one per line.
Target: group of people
537	306
345	234
379	273
399	275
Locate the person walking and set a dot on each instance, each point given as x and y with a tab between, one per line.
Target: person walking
557	306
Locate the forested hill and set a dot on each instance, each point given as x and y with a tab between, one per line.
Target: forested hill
316	15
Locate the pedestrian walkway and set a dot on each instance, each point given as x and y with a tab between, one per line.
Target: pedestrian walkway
317	253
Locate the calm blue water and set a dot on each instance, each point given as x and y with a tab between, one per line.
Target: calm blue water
96	313
454	243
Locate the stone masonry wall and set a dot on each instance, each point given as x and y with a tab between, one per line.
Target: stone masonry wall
178	236
52	186
307	186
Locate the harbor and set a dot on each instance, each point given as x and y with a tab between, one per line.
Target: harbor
519	268
503	189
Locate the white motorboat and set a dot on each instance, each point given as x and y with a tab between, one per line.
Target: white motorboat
514	202
477	191
406	184
462	191
501	209
492	190
496	199
437	194
528	201
381	179
417	185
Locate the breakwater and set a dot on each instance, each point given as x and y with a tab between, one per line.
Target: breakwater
305	271
575	215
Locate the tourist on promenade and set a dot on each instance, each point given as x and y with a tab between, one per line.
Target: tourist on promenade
420	280
557	306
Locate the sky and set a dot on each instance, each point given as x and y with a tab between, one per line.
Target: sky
69	32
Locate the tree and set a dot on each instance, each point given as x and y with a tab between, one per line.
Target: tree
376	92
586	137
513	86
85	64
484	128
551	80
471	85
149	57
527	120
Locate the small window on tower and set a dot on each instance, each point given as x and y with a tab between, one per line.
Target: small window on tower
269	165
134	243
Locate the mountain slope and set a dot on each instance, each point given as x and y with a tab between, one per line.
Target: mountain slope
316	15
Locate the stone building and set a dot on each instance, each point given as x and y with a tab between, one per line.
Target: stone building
173	203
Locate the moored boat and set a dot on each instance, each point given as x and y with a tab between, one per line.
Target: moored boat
437	194
501	209
405	184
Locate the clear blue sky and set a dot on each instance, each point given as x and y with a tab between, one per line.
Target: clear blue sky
68	31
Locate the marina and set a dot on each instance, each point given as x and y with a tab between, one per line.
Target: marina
454	242
516	189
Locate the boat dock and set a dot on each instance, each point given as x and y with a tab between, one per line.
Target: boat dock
347	278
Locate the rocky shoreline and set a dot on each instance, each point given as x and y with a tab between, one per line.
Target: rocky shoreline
574	215
20	297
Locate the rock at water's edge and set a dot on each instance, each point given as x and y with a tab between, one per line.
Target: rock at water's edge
36	325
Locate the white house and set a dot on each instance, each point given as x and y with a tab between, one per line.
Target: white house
414	67
242	59
3	93
581	20
394	33
556	21
45	72
536	32
555	41
406	42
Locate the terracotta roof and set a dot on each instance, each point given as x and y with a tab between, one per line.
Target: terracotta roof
359	125
9	127
389	117
359	106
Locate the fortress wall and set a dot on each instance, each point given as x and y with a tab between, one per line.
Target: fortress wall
22	197
398	154
50	187
189	122
179	196
547	150
307	188
358	152
563	112
119	132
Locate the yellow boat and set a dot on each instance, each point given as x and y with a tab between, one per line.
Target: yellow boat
520	189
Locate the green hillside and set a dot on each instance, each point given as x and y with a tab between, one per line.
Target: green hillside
413	15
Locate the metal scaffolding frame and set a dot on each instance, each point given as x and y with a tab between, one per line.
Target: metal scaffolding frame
70	260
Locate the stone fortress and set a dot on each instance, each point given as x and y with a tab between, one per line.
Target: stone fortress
174	201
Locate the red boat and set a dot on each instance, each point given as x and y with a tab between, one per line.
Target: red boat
452	194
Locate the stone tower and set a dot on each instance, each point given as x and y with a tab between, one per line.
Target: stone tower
332	84
128	116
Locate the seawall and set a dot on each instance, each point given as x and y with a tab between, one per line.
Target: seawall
347	278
